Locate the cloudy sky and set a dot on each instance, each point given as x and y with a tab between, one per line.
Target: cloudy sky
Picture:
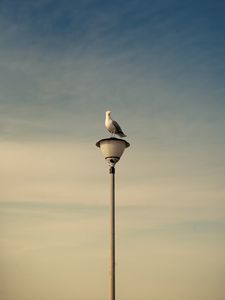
159	66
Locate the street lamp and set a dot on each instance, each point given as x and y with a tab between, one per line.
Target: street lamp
112	149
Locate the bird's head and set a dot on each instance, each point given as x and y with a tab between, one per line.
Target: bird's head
108	113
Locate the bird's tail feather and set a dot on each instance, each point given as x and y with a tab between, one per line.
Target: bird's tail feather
121	134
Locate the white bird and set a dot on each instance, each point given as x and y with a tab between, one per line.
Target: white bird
112	126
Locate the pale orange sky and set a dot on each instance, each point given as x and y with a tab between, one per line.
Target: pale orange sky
55	217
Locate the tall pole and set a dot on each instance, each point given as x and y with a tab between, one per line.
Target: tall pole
112	235
112	149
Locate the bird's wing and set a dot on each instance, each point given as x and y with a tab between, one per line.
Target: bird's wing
117	126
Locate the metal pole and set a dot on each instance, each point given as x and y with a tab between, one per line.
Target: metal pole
112	235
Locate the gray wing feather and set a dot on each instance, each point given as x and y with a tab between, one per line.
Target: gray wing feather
118	129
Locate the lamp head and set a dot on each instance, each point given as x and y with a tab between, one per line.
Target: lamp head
112	149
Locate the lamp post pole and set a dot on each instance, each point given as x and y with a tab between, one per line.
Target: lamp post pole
112	235
112	149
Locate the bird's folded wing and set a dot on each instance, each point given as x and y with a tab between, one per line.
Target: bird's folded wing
117	126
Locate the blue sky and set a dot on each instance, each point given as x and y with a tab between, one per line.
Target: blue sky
160	67
67	58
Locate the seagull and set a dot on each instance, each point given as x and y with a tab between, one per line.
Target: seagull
112	126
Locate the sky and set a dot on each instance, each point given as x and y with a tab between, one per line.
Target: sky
159	66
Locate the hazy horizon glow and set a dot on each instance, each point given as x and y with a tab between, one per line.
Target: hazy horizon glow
159	66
